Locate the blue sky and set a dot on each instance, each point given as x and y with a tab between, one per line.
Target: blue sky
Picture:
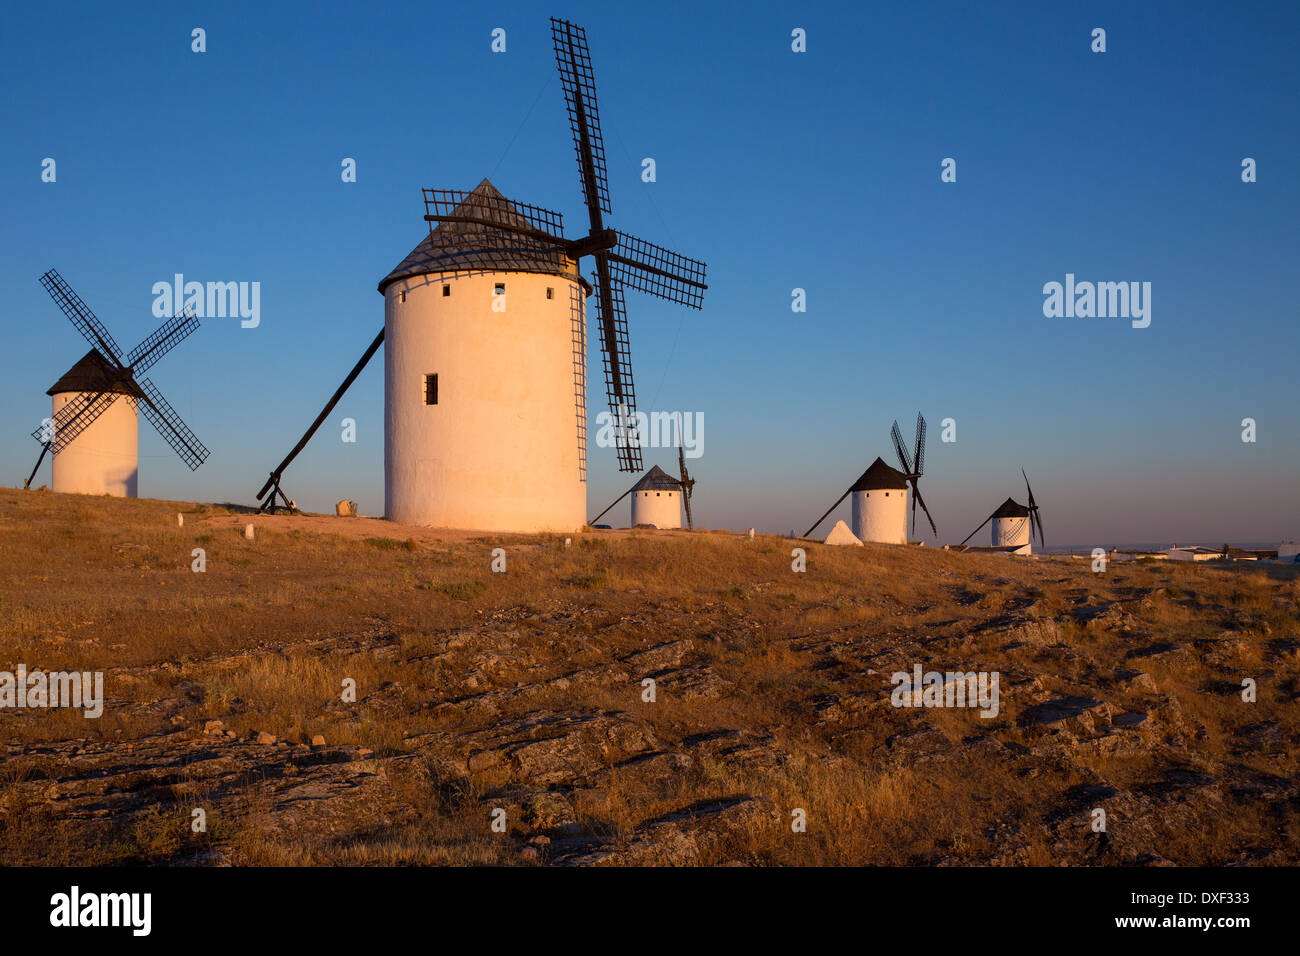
817	170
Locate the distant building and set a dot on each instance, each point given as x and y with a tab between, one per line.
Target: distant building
880	505
104	459
1194	553
1011	527
657	500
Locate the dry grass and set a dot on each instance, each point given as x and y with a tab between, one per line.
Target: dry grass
265	637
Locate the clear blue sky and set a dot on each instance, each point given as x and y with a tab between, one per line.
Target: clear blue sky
817	170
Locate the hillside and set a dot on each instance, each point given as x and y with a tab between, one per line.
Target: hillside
523	691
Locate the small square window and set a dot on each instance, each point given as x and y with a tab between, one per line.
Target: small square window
431	389
550	293
500	289
403	296
446	290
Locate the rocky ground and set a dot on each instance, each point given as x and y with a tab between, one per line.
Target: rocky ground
507	718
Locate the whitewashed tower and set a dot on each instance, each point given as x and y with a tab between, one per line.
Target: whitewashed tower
93	431
657	500
879	501
105	457
1011	527
485	365
484	384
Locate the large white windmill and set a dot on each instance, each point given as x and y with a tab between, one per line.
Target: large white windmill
485	321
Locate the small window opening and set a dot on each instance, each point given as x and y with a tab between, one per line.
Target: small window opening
403	296
431	389
446	290
550	293
501	288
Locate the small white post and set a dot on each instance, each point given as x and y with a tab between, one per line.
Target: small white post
248	532
180	520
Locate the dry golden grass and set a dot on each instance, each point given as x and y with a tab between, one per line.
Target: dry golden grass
263	638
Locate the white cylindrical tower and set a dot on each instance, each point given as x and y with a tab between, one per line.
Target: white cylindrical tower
484	384
1011	527
104	458
880	505
657	500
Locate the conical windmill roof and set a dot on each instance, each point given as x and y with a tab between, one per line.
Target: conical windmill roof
466	247
1011	509
880	477
92	373
656	479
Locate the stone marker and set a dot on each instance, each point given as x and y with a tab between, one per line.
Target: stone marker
248	532
180	520
751	532
346	509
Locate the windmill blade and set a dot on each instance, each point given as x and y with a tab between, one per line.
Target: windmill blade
688	486
917	499
649	268
167	336
920	444
491	232
617	360
74	418
1036	519
976	531
828	511
80	315
900	448
579	82
170	426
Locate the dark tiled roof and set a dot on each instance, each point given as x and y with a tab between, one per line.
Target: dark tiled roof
92	374
880	476
1011	509
469	247
656	479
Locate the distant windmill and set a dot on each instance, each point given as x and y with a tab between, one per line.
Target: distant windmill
880	494
658	498
95	438
485	370
1014	523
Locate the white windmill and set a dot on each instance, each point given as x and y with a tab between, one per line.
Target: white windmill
485	367
93	430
